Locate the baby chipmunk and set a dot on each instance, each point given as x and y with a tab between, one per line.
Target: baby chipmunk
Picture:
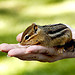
48	35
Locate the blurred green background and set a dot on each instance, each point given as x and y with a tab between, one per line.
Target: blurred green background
16	16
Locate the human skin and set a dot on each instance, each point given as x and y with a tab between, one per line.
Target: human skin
35	52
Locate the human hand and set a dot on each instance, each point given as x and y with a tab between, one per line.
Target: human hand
34	52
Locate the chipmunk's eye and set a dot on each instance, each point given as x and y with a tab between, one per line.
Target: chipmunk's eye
26	37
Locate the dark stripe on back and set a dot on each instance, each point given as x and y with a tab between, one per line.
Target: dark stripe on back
57	30
51	25
59	35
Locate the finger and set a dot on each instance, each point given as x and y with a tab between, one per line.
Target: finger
26	50
19	37
17	52
20	53
41	50
6	47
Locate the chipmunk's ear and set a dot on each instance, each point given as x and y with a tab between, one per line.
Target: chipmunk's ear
33	24
35	27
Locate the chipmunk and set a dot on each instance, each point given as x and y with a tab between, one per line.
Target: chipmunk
54	35
58	36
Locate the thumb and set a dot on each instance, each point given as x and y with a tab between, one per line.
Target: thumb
18	38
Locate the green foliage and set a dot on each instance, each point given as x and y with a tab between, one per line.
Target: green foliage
16	16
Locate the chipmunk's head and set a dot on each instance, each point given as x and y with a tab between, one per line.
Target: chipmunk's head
31	35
